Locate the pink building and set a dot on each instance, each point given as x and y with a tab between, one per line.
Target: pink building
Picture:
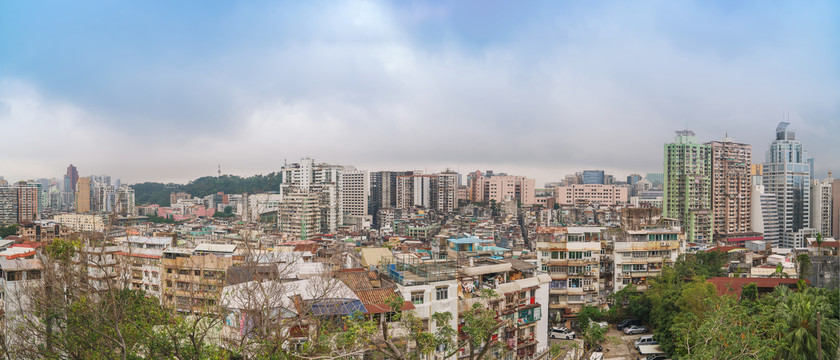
481	188
591	193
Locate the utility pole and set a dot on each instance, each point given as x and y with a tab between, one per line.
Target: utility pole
819	338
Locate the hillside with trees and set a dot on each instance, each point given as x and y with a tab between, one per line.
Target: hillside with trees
158	193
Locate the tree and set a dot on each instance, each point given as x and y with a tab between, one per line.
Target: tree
749	292
819	241
803	265
8	230
799	312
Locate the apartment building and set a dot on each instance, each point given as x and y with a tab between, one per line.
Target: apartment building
28	202
300	215
8	205
83	195
522	300
489	187
821	205
324	180
641	254
193	282
354	190
438	191
81	222
592	193
731	186
688	185
571	256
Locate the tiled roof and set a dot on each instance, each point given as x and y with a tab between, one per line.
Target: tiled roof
733	286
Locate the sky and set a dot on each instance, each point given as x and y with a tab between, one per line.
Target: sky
170	91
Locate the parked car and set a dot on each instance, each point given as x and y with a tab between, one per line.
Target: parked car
657	357
561	333
635	329
603	325
645	340
628	322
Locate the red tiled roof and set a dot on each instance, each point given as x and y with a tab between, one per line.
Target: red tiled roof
724	248
733	286
827	244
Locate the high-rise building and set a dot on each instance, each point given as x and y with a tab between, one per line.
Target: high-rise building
835	208
300	214
688	185
355	188
731	200
8	205
322	179
765	215
29	202
656	179
383	193
787	173
593	177
437	191
124	202
83	195
483	188
73	176
821	205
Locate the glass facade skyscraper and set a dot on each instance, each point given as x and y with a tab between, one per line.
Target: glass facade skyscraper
787	173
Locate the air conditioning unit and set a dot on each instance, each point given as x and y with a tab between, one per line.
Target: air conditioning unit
664	243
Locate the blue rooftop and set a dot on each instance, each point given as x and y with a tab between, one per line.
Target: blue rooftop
469	240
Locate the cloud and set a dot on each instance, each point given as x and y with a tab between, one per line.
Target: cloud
545	90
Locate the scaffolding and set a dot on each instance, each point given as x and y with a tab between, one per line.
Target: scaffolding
411	270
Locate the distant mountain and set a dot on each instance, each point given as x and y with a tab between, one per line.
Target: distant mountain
158	193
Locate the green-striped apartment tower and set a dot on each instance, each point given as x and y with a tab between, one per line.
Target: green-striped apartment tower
688	186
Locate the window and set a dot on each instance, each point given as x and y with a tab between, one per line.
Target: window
442	293
554	254
417	297
545	268
575	255
625	267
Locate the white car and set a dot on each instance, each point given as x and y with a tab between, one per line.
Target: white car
603	325
635	329
645	340
561	333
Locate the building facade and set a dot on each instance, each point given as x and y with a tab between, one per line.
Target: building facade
787	173
821	205
688	186
592	193
764	215
485	188
571	256
324	180
731	200
83	195
8	206
29	202
355	191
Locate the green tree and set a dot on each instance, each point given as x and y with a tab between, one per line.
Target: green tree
803	265
750	292
800	312
8	230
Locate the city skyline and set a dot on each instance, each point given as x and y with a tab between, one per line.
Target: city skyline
392	86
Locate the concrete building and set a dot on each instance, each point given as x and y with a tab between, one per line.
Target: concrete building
259	204
656	179
355	190
731	200
300	215
835	208
592	177
787	173
192	283
764	216
592	193
29	202
81	222
688	186
8	206
438	191
383	192
484	188
82	195
325	180
821	205
571	256
124	202
642	249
